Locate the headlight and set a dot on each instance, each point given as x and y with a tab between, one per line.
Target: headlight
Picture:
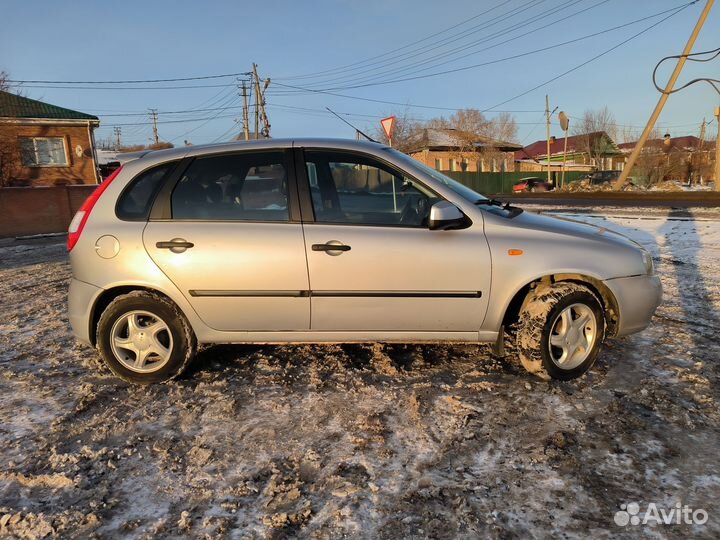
648	261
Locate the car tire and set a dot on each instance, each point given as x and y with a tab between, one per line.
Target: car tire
560	330
144	338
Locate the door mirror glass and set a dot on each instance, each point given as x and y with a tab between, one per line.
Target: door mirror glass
445	216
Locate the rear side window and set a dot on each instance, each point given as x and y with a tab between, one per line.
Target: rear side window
251	186
135	202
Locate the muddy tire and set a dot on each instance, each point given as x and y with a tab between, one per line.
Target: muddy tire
560	330
144	338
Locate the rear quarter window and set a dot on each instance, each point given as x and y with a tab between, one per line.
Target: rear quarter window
136	200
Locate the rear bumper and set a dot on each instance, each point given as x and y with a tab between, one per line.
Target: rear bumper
638	297
81	298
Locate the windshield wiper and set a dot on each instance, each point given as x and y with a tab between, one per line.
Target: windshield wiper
514	210
489	202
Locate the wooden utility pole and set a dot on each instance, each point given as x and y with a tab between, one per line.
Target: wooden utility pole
256	83
717	150
153	112
663	99
246	128
547	117
260	105
263	112
118	133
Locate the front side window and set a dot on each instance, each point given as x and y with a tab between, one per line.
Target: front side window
251	186
464	191
43	152
350	188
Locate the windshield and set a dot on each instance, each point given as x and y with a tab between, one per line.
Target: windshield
464	191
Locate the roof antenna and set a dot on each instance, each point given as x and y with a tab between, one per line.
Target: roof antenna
349	124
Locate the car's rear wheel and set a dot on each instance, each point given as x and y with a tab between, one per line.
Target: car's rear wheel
144	338
560	330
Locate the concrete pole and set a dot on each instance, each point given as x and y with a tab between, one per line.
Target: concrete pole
663	98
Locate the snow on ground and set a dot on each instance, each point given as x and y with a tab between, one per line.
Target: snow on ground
370	441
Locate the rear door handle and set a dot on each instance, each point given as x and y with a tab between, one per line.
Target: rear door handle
330	247
176	245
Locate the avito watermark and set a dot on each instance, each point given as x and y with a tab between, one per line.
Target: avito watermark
680	514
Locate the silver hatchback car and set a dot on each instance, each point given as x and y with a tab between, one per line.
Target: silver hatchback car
327	241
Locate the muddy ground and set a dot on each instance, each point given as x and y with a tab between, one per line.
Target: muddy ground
355	441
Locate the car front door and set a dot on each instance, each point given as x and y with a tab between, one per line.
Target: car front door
232	242
374	265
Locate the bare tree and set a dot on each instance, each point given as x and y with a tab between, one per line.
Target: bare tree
406	131
4	84
590	129
470	127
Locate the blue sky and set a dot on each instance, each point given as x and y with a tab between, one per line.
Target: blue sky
87	40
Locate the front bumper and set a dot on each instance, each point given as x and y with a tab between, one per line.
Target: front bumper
637	297
81	298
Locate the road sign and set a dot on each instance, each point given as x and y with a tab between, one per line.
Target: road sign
387	125
564	120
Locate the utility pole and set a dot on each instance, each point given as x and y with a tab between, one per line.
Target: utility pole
265	119
246	129
118	132
717	150
153	112
260	104
256	83
548	114
547	117
697	158
663	99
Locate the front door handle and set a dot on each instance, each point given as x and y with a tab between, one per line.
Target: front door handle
330	247
176	245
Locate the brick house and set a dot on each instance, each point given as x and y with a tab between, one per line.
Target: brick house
45	145
588	151
451	150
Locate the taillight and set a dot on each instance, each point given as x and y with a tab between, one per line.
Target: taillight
81	216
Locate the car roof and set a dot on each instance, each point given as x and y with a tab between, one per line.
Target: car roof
203	149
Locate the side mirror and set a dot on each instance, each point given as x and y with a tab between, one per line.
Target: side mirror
445	216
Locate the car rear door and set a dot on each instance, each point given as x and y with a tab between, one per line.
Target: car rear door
374	265
227	233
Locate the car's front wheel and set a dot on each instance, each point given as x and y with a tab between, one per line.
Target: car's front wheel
144	338
560	330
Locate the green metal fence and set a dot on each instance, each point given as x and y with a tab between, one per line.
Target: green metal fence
502	182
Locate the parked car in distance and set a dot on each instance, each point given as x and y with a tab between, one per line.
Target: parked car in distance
532	184
601	177
327	241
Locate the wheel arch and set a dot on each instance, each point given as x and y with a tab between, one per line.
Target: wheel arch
602	292
108	295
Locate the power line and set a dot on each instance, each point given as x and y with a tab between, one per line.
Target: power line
138	81
586	62
457	50
512	57
342	68
441	43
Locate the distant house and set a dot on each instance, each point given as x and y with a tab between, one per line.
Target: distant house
45	145
588	151
451	150
683	158
687	143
